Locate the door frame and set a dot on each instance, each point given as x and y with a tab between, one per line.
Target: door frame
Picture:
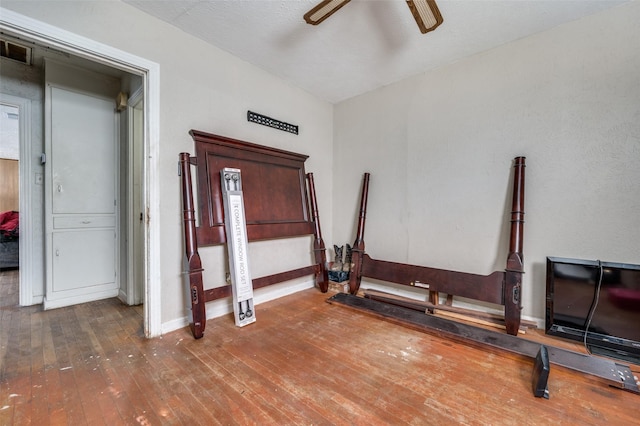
134	292
77	45
26	221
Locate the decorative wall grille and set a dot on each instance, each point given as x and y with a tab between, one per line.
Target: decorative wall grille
271	122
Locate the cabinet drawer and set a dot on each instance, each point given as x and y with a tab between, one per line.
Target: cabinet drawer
65	222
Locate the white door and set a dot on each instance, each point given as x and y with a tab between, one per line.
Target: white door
81	196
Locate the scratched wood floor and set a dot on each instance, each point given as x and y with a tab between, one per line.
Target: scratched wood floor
303	362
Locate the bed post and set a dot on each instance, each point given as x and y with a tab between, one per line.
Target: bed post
322	278
358	246
515	260
192	258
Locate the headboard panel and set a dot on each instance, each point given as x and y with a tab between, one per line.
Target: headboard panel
275	200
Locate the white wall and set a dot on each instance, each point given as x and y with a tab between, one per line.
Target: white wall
207	89
440	148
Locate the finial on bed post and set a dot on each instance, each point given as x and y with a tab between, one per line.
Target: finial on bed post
358	246
192	258
515	259
320	255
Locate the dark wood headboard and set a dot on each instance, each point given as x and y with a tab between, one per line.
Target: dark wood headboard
273	180
279	201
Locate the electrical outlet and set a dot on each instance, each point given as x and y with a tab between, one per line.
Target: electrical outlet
39	178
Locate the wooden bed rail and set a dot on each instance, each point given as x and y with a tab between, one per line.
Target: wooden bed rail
499	287
278	200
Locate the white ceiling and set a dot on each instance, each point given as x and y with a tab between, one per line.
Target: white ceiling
366	44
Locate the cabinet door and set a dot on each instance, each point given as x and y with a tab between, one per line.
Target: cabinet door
81	202
83	261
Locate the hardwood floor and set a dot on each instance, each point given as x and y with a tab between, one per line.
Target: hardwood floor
303	362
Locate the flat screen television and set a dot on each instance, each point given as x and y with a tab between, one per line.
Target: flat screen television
605	296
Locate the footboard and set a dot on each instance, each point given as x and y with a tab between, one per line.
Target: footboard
499	287
279	200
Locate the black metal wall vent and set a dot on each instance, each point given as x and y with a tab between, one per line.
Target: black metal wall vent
14	51
271	122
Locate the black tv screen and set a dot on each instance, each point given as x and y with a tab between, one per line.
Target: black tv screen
614	329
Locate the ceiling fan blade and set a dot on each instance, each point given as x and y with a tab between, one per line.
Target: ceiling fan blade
426	13
323	10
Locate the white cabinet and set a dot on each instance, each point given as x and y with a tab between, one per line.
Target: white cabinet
81	181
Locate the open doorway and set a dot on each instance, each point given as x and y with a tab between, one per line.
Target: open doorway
74	47
10	178
16	245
